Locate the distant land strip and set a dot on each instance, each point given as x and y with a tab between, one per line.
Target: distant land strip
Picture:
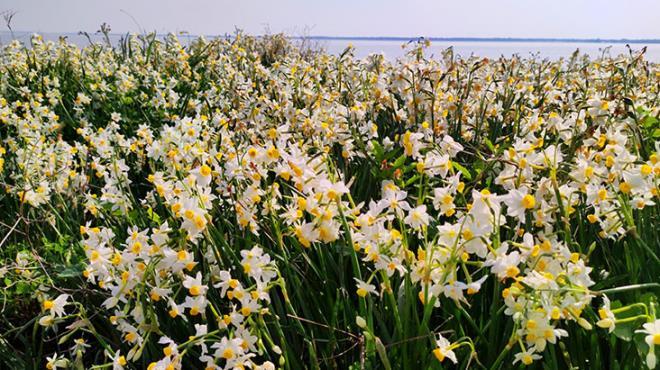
484	39
377	38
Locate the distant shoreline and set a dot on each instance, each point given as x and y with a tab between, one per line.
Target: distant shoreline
484	39
390	38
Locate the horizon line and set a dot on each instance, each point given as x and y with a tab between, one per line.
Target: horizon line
393	38
473	39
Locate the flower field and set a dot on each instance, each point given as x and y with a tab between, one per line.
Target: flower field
248	203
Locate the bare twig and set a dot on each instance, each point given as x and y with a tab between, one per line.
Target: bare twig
8	16
323	325
9	233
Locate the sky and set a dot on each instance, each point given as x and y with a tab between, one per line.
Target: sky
412	18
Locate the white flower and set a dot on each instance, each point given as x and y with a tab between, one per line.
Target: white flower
394	198
160	236
266	366
526	357
652	331
454	290
606	316
412	143
332	191
443	200
450	146
485	207
417	217
53	363
38	196
46	320
200	330
506	265
475	286
364	288
56	306
118	361
444	349
194	285
306	234
519	201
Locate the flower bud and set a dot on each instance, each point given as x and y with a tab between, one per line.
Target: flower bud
584	323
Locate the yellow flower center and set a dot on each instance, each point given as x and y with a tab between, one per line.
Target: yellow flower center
609	161
94	256
556	313
227	354
205	171
646	170
512	271
531	324
588	172
200	222
195	290
528	201
438	354
137	247
131	337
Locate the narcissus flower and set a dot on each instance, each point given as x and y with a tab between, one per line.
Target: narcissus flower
527	357
444	349
652	339
364	288
607	318
56	306
518	201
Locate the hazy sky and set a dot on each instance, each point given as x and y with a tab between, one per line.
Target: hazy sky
442	18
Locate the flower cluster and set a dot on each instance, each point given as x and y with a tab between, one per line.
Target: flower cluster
198	174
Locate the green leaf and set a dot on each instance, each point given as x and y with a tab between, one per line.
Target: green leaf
382	353
489	144
399	161
70	272
640	344
153	216
133	214
378	150
466	173
649	121
23	288
625	331
411	180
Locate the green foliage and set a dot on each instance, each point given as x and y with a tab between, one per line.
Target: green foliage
315	315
